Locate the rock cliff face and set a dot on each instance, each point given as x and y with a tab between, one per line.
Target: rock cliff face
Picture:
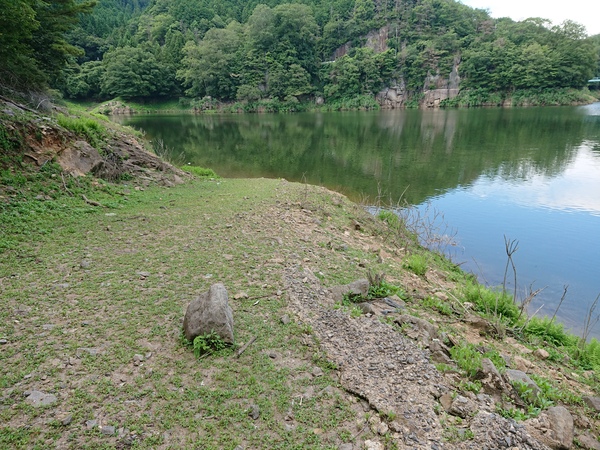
436	88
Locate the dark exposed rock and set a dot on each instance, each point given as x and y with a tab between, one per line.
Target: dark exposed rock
209	313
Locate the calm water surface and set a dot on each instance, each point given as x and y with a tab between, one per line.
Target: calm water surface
528	174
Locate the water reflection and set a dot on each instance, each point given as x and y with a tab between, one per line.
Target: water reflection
575	187
532	174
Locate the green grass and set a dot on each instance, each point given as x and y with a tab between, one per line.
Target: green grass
468	358
178	236
417	263
89	128
200	171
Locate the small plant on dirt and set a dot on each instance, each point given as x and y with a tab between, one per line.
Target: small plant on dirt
416	263
208	344
470	386
468	357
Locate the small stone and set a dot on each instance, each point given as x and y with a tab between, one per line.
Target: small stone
228	257
85	264
373	445
272	355
89	424
317	372
38	399
108	430
346	446
254	412
67	420
240	296
541	353
285	319
3	342
138	358
382	428
48	326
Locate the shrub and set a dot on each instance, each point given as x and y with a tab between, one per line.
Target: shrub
200	171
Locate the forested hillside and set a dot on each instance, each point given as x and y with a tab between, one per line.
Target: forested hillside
336	51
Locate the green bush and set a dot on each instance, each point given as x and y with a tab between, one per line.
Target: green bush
200	171
468	357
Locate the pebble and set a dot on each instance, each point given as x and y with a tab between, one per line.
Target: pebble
254	412
3	341
108	430
67	420
39	398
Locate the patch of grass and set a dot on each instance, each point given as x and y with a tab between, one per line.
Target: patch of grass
470	386
491	302
416	263
200	172
90	129
550	331
438	305
468	358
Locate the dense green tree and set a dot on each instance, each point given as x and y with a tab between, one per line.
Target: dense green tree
363	73
33	46
135	72
209	67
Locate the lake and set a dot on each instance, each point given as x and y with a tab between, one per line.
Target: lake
527	174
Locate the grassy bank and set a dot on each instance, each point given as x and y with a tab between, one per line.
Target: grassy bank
94	296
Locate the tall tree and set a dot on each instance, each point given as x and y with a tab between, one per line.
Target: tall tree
33	43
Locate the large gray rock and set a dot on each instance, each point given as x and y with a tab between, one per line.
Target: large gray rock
553	427
359	287
490	377
518	376
209	313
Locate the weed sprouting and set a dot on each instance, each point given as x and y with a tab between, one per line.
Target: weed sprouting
208	344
